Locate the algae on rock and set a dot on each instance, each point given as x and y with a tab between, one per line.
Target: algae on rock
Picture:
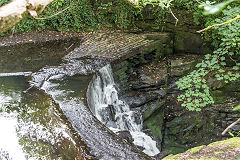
228	149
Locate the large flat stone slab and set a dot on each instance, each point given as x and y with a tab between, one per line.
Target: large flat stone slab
117	45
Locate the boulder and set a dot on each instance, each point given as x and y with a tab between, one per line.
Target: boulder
227	149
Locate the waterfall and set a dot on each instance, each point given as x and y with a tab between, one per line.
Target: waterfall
102	97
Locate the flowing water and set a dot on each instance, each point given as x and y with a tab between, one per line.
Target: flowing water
114	113
32	126
50	119
70	96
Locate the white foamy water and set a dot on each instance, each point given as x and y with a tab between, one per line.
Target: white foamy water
116	114
9	143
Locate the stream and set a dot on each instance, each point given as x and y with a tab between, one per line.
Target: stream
114	113
45	114
32	126
103	97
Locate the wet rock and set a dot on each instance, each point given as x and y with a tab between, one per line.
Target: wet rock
182	65
154	120
153	108
222	91
137	99
74	67
161	155
125	135
138	117
140	147
236	127
150	76
188	42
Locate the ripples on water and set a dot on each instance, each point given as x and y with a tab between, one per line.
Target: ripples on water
32	126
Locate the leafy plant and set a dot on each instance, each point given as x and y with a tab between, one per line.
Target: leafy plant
234	133
236	108
3	2
224	63
212	8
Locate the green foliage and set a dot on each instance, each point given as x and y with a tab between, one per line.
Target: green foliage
82	15
117	13
236	108
3	2
160	3
77	18
215	8
197	92
224	62
125	15
234	133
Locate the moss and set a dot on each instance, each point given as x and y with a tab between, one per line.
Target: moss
195	149
8	22
233	142
222	91
188	42
120	74
180	133
218	96
176	148
155	120
214	151
150	111
217	152
210	158
172	157
188	68
155	124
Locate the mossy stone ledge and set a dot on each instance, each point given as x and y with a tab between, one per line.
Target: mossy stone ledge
222	150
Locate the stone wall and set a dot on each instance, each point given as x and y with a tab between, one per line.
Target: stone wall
123	67
150	89
186	39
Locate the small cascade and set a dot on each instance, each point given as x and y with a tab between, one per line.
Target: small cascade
114	113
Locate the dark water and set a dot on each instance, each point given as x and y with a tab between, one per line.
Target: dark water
102	143
33	127
51	120
34	56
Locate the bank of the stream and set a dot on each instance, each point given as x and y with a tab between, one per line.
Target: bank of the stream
33	126
153	92
146	64
52	78
146	76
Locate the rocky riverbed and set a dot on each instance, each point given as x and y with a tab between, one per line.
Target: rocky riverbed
153	92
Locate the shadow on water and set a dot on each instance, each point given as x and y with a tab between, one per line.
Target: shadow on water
34	56
32	125
53	121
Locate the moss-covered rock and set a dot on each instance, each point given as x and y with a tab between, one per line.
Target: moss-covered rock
180	132
154	121
221	150
222	91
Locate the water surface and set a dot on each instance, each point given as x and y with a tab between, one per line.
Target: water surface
33	126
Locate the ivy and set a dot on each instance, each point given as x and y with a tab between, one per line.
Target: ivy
3	2
224	63
82	15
